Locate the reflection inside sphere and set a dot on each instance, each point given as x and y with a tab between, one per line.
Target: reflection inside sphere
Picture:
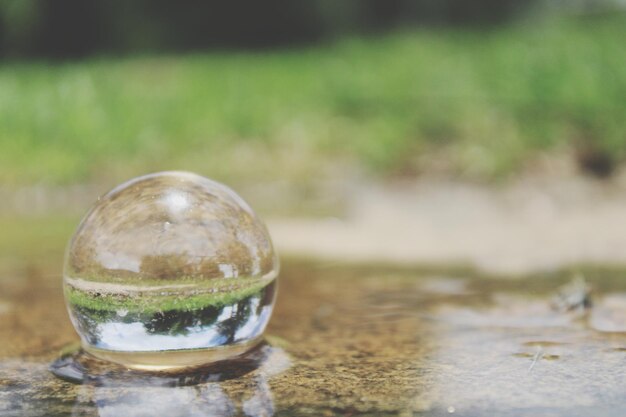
170	263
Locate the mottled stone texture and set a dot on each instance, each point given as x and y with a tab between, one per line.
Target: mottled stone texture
166	226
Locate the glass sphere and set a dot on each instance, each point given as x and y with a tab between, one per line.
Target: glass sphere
170	270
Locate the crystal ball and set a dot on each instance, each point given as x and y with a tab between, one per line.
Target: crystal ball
170	270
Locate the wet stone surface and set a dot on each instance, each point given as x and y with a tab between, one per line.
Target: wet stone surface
352	340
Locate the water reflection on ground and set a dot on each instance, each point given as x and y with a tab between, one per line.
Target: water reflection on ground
350	340
519	357
146	398
29	389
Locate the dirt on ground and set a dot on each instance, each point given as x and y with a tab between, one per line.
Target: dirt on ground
524	225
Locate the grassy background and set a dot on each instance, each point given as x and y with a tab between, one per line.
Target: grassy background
486	100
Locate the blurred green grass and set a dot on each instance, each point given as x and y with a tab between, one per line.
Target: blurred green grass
487	99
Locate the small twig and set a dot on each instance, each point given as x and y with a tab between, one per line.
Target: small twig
536	358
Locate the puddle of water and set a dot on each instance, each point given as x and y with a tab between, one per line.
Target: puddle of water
28	389
82	368
349	340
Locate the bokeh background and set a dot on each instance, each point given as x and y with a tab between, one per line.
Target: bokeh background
303	105
411	159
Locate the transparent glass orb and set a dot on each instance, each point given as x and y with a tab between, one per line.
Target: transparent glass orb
170	270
